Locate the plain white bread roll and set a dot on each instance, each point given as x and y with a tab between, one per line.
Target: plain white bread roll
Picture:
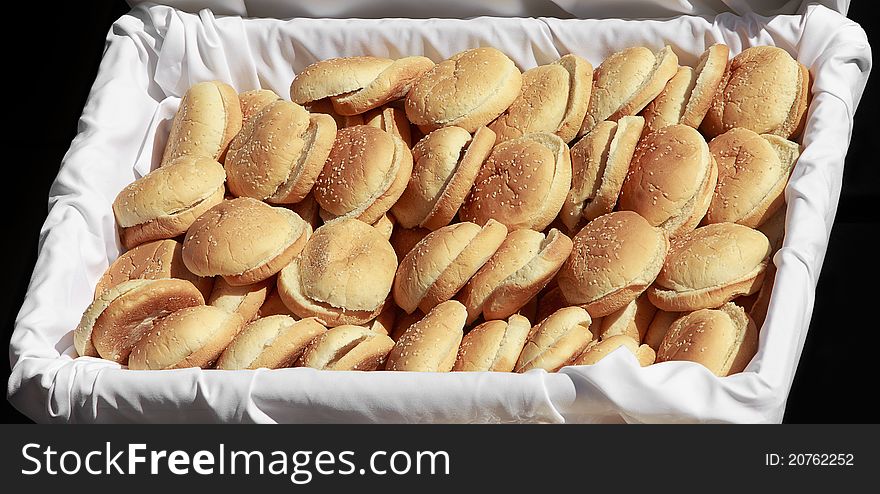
469	90
626	81
445	165
522	183
614	259
272	342
710	266
442	262
521	267
555	341
347	347
723	340
207	119
631	320
253	101
431	344
597	350
121	315
190	337
165	202
244	300
343	275
244	241
493	346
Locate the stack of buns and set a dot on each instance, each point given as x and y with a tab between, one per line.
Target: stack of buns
407	215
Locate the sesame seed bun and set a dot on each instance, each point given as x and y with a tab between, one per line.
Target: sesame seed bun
442	262
723	340
274	306
121	315
404	239
614	259
272	342
244	240
392	120
711	266
597	350
207	119
431	344
347	347
150	261
632	320
391	84
493	346
469	90
165	202
446	163
244	300
336	76
671	179
327	280
385	225
556	341
253	101
190	337
522	183
659	326
325	107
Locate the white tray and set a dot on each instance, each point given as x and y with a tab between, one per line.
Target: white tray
155	53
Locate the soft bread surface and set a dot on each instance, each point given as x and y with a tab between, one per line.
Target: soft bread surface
632	320
244	300
391	119
597	350
272	342
207	119
556	341
393	83
431	344
253	101
335	76
493	345
347	347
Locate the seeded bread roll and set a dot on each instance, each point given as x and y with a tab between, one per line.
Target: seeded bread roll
404	239
556	341
521	267
364	175
553	98
207	119
493	346
626	81
278	155
253	101
151	261
385	225
274	306
391	119
244	300
597	350
763	90
522	184
272	342
551	301
469	90
190	337
614	259
442	262
431	344
244	241
121	315
659	326
599	163
445	165
325	107
327	280
632	320
753	171
711	266
347	347
671	179
723	340
165	202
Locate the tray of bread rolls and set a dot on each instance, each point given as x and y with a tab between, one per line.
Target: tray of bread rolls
400	220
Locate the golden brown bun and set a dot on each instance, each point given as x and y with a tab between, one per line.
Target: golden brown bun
521	267
469	90
522	184
599	165
274	306
659	326
272	342
442	262
190	337
759	90
253	101
723	340
671	179
244	300
752	176
493	346
597	350
325	107
343	275
391	84
385	225
793	126
556	341
446	163
553	99
150	261
403	321
549	302
347	347
364	175
404	239
120	316
207	119
711	266
632	320
385	321
614	259
165	202
392	120
431	344
244	240
626	81
335	76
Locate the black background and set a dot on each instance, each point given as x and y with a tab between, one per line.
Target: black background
47	83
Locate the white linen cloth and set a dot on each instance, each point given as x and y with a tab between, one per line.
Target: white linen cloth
156	52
